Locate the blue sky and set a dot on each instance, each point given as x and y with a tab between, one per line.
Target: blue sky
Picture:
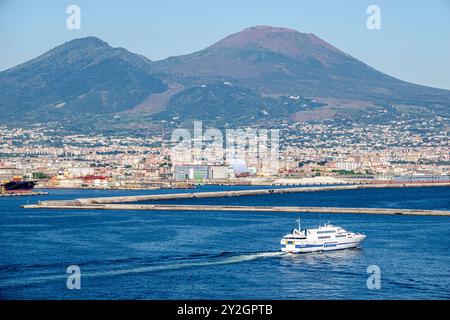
413	43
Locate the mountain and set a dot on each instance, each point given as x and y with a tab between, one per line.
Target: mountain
284	61
83	75
251	76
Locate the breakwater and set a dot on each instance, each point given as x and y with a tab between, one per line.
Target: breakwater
164	207
233	193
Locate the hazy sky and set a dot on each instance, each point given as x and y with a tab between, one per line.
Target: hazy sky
413	43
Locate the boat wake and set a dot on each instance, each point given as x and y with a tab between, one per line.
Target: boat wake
146	269
175	266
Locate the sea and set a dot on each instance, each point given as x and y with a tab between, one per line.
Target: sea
223	255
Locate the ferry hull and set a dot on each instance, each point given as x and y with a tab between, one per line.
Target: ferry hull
321	247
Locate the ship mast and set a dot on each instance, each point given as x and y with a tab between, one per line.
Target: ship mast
299	225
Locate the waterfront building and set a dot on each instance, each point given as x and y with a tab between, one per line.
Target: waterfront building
220	172
190	172
8	173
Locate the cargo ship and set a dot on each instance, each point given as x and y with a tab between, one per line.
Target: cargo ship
14	186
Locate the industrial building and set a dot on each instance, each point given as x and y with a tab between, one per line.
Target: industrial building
190	172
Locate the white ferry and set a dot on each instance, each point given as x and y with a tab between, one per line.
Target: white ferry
323	238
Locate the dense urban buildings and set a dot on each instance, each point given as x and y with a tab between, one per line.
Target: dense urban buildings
307	150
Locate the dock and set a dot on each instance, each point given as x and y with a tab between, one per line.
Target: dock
168	207
24	194
233	193
123	202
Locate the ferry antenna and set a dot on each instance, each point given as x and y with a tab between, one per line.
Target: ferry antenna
299	224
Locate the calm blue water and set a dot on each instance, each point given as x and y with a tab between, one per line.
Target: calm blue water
223	255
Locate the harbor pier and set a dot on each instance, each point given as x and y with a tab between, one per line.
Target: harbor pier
169	207
23	194
131	202
231	193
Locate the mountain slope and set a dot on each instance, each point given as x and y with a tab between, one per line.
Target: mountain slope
83	75
224	102
284	61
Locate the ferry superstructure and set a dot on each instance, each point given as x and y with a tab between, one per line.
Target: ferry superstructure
324	238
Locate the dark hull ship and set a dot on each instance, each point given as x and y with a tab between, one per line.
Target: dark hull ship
18	186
